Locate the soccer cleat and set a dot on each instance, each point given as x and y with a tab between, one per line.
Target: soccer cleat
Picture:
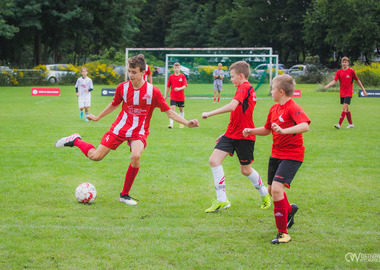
67	141
85	118
127	199
81	114
180	125
337	126
265	201
217	205
281	238
291	215
170	126
350	126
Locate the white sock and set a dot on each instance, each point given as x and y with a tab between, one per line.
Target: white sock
257	183
220	186
170	121
182	114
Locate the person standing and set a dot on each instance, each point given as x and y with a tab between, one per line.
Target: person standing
83	88
218	75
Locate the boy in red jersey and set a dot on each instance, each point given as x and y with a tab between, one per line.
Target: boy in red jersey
148	74
138	99
178	83
286	121
346	77
241	108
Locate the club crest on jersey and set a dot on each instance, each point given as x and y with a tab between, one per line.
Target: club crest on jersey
348	76
146	96
180	79
281	119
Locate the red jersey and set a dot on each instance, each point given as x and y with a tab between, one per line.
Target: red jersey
147	72
177	81
241	117
346	79
287	146
137	108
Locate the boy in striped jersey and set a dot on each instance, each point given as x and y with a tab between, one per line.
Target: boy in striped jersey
138	99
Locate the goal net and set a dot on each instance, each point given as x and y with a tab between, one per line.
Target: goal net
198	64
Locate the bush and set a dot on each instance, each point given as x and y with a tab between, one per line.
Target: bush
369	75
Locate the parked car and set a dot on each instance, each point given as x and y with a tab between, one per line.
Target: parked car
56	72
260	69
120	70
6	69
297	70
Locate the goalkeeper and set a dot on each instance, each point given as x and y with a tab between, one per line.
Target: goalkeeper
218	81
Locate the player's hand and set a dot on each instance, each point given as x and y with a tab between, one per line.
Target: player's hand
246	132
205	115
86	90
325	87
77	94
92	117
218	139
193	123
277	128
365	93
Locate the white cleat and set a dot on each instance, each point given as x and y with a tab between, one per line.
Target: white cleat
67	141
337	126
170	126
127	199
350	126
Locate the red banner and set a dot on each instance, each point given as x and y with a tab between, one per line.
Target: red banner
297	93
46	91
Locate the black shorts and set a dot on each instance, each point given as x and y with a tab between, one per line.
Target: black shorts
244	148
177	103
282	170
346	100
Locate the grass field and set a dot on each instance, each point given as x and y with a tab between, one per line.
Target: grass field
43	227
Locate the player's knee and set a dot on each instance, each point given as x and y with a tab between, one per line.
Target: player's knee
213	162
246	170
135	160
95	156
276	193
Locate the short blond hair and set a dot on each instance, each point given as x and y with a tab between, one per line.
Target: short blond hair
241	67
345	59
285	82
83	69
176	64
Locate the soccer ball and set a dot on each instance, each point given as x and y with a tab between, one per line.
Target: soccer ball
85	193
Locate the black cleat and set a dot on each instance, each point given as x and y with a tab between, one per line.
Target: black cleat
291	215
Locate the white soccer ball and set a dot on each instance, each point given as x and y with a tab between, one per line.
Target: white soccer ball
85	193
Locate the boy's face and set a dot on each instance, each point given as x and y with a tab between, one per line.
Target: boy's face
84	72
135	75
236	79
177	69
276	93
345	64
219	66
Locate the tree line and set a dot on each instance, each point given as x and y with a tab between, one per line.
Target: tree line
34	32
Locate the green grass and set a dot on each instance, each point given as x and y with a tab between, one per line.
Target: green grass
43	227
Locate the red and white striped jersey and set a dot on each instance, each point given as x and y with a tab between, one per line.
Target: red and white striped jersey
137	108
147	72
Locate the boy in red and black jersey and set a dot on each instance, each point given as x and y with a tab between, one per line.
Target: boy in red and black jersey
346	77
286	121
241	108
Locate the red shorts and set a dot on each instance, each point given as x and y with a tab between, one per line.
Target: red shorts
113	141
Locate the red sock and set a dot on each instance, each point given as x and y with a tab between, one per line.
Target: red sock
218	99
281	215
342	116
287	202
214	99
129	178
83	146
349	118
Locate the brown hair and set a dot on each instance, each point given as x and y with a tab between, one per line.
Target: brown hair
176	64
83	69
285	82
137	61
345	59
241	67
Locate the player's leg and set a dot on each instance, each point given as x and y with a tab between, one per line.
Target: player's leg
215	89
244	150
181	106
343	114
86	113
219	90
348	112
137	147
173	104
81	107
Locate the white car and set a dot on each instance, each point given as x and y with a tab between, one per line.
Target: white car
297	70
56	72
260	69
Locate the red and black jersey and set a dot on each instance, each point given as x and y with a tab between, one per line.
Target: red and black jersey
287	146
177	81
346	79
241	117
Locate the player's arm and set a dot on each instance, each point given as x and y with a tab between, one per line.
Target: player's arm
261	131
226	108
176	117
180	88
362	87
333	82
150	78
110	108
76	90
300	128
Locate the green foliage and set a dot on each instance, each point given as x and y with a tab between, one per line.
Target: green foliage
369	75
43	227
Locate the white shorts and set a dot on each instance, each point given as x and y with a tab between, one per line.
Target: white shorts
218	85
84	101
